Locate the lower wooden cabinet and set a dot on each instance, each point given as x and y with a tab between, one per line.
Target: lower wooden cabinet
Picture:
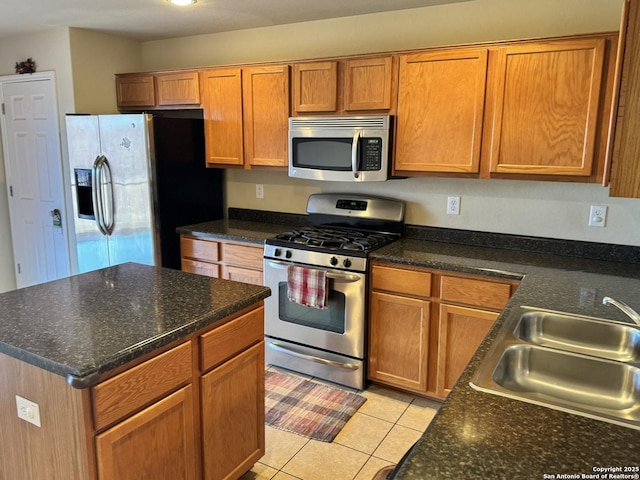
241	262
233	415
157	443
424	326
399	344
460	332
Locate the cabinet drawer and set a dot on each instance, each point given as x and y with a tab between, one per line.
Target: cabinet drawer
405	282
475	292
200	249
123	394
244	255
231	338
201	268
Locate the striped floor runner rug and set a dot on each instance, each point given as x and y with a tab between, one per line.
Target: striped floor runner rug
307	408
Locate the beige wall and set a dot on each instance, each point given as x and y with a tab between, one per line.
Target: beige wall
96	57
547	209
84	63
50	50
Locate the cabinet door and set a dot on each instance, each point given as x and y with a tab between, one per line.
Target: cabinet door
181	88
398	341
221	91
233	415
315	87
440	111
266	115
625	171
367	84
461	330
135	91
544	107
158	443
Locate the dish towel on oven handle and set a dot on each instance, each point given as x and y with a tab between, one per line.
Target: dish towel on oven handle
307	286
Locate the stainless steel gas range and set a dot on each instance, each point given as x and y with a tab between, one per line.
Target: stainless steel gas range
315	319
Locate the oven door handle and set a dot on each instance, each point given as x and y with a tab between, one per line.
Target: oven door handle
340	277
295	353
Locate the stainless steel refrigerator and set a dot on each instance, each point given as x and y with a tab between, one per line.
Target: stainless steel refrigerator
134	179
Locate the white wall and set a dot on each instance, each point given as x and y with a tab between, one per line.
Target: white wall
547	209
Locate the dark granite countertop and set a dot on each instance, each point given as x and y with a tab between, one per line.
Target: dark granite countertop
238	230
86	325
479	435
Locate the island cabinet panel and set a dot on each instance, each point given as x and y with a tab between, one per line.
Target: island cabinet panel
544	107
440	111
158	442
61	448
241	262
425	325
123	394
233	415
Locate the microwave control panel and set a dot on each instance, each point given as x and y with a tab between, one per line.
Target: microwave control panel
371	158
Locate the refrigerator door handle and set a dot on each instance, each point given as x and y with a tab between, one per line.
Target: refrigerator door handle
98	194
107	200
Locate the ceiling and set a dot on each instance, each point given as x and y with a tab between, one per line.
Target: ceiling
156	19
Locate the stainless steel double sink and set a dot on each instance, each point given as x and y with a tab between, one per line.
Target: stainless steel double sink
582	365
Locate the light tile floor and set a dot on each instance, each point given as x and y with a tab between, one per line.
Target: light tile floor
379	434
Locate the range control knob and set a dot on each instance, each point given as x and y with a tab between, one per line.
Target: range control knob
277	252
288	254
333	261
346	263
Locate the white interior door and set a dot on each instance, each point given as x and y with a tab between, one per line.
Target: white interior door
33	166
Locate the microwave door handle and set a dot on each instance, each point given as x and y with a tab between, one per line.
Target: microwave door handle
354	154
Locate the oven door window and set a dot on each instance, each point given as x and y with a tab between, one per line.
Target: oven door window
331	319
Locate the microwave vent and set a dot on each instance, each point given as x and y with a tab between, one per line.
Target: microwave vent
372	122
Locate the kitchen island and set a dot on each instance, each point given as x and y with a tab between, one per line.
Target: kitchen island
131	369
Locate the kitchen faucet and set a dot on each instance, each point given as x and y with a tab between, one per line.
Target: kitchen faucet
630	312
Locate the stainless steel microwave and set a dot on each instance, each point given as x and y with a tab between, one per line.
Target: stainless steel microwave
340	149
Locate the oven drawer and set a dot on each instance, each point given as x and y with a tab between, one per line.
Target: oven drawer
400	280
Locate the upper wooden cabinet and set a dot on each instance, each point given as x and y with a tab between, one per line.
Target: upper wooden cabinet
344	86
543	107
246	111
158	90
625	170
440	111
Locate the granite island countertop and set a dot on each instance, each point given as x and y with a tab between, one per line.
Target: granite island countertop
83	326
479	435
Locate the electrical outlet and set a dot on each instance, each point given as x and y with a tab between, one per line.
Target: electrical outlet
453	206
259	190
28	410
597	216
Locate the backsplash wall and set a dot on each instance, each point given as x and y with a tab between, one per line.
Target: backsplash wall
540	209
